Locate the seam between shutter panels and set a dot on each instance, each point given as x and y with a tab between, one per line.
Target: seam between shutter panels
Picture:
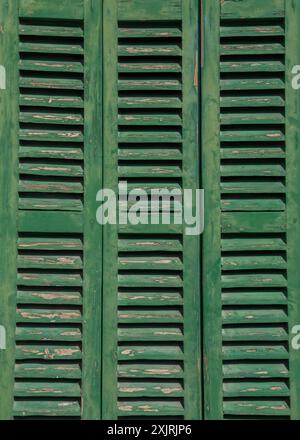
253	195
49	298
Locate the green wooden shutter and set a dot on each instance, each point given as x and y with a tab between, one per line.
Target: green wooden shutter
151	364
251	240
51	170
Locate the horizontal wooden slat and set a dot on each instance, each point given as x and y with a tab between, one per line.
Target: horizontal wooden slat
150	389
251	135
151	333
155	370
149	84
53	100
53	315
147	315
149	136
253	204
254	280
151	66
50	370
259	169
40	296
256	30
240	262
252	389
153	118
50	10
35	134
127	31
162	352
50	203
155	408
48	352
160	228
253	187
50	152
44	408
255	370
51	169
251	48
48	261
254	297
49	333
161	171
244	83
49	279
149	50
50	222
250	222
259	407
246	316
255	333
51	83
157	10
47	389
50	186
229	151
150	154
256	65
49	243
145	262
253	100
253	244
50	31
155	298
57	48
146	280
252	9
252	118
146	245
149	102
51	117
46	65
258	352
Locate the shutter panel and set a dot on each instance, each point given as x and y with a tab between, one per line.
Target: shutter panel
55	287
151	284
250	286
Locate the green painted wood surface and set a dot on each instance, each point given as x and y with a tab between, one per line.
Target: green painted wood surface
258	200
8	201
211	269
110	232
92	285
293	202
146	267
191	244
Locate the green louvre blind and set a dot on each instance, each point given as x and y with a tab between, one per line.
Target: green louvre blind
251	172
51	166
151	363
